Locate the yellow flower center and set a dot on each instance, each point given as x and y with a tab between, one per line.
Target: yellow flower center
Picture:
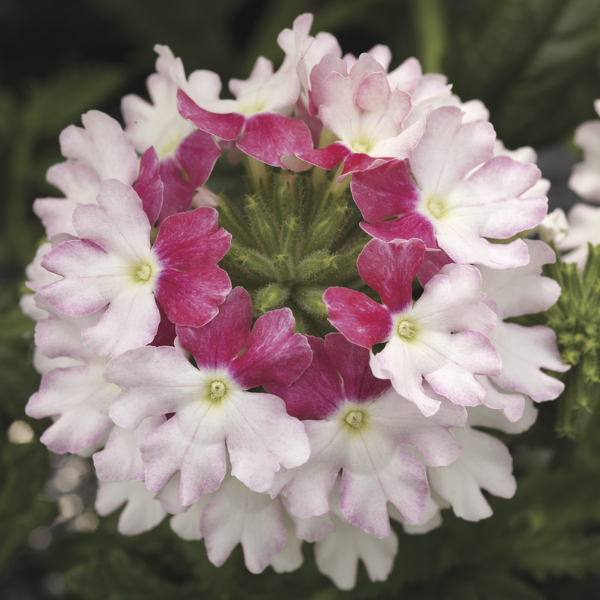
437	207
217	390
355	419
362	146
405	329
144	273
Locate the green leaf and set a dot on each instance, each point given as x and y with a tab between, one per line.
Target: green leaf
530	61
24	469
558	552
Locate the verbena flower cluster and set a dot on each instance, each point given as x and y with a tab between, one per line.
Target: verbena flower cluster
240	410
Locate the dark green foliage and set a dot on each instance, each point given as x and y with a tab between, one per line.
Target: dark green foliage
24	468
576	320
532	62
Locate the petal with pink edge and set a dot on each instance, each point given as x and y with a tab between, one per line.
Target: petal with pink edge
485	463
80	397
218	342
192	239
376	472
102	145
274	352
328	157
362	320
131	321
399	419
352	362
192	298
269	136
118	224
525	351
120	460
197	154
192	442
226	126
448	150
153	382
178	192
141	513
261	437
406	227
90	282
149	186
237	515
318	392
387	191
357	162
390	269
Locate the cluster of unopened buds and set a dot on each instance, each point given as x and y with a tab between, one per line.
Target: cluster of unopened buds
379	205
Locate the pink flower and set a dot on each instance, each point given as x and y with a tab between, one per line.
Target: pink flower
363	112
121	460
74	392
524	351
98	151
181	148
212	408
142	511
584	229
453	194
442	338
257	116
485	463
338	554
585	179
237	515
357	424
113	264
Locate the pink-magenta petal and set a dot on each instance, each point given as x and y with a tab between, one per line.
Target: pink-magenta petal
433	261
274	354
357	162
328	157
314	124
352	362
362	320
149	186
226	126
197	154
269	136
192	298
224	337
120	460
387	191
390	269
178	192
165	336
191	239
413	225
318	392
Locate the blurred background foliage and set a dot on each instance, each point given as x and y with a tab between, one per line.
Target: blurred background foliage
535	64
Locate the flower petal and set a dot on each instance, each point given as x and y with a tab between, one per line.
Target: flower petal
269	136
218	342
236	515
362	320
390	269
274	352
318	391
